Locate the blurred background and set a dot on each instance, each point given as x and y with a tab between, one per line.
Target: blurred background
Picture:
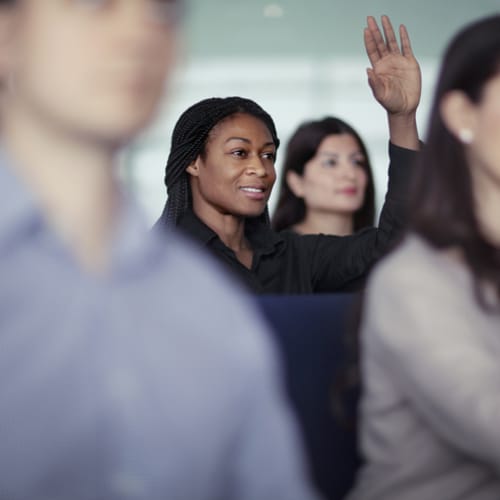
299	59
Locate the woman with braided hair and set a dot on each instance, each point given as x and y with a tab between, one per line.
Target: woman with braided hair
220	173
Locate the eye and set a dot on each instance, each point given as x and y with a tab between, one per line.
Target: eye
329	162
238	153
270	155
359	162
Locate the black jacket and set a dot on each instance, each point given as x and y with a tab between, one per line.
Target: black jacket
289	263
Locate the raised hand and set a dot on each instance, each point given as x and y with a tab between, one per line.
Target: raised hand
394	77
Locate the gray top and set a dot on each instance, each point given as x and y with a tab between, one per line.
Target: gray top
430	412
155	382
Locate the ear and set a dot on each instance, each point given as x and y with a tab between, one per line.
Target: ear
194	167
459	116
295	183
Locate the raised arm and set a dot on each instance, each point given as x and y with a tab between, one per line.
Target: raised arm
396	84
395	79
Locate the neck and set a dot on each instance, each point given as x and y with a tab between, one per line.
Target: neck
326	223
488	209
73	181
486	188
229	228
231	231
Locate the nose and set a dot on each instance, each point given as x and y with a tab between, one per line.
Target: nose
348	170
256	166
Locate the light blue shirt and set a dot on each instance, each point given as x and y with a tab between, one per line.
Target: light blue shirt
155	382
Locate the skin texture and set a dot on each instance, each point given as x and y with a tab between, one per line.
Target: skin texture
333	186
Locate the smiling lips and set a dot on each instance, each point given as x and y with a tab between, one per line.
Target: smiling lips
254	192
351	191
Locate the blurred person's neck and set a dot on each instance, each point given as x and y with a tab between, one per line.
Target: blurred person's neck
73	179
326	223
487	194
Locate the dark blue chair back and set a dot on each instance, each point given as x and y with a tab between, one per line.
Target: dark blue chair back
311	332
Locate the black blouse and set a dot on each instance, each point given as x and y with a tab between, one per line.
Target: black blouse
289	263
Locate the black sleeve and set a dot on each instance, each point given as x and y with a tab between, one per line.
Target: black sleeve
341	263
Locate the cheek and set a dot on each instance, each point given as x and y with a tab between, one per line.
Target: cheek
162	60
214	180
363	180
486	146
489	130
169	47
320	178
50	71
320	187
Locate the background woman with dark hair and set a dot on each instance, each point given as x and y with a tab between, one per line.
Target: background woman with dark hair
430	336
220	173
327	182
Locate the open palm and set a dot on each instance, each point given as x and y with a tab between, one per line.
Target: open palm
394	77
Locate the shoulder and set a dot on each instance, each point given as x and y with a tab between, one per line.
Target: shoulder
311	241
300	244
412	293
413	262
404	285
206	308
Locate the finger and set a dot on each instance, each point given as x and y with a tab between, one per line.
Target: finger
405	41
390	35
371	47
377	36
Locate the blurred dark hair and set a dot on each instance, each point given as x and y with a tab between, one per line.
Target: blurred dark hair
303	146
442	208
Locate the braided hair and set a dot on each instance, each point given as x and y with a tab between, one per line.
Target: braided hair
189	139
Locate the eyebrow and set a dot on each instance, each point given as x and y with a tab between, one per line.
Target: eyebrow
332	154
248	141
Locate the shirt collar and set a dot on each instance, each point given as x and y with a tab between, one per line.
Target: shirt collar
195	228
134	244
19	208
21	217
263	239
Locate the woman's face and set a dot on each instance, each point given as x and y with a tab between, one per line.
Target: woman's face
484	151
94	68
236	174
335	179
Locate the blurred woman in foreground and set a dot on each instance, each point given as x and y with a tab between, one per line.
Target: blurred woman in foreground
430	336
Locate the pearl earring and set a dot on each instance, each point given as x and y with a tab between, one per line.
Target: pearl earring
466	135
